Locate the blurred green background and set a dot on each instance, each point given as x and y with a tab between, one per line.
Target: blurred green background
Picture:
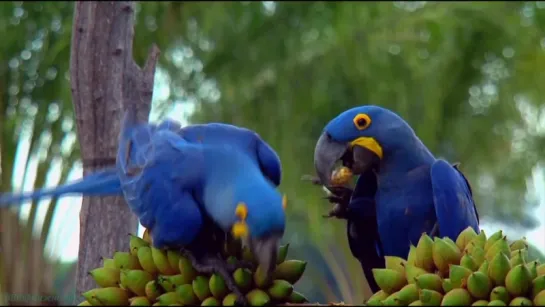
467	76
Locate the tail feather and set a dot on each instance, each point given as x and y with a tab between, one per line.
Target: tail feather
101	183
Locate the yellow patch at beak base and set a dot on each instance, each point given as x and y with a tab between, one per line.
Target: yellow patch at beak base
239	230
241	211
369	143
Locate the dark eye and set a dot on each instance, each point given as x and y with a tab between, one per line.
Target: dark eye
362	122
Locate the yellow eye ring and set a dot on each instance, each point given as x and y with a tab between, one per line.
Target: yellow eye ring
362	121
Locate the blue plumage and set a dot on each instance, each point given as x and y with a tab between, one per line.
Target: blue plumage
106	181
191	187
411	192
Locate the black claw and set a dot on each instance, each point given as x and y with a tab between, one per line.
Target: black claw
339	211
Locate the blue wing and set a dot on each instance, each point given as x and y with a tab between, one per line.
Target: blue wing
362	227
158	171
453	200
247	140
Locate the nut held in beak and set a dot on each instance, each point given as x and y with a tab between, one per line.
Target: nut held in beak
341	176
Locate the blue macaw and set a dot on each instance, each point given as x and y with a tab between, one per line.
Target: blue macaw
184	192
402	190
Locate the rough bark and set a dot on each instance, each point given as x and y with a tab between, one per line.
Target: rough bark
105	79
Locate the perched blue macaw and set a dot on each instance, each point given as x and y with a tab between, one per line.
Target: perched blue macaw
402	190
184	191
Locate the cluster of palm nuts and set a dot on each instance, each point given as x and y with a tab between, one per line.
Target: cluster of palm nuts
147	276
473	271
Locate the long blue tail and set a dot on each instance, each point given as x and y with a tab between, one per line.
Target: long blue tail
100	183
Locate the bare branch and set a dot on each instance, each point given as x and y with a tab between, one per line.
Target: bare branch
104	79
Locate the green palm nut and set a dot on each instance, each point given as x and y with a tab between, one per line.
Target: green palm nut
217	286
521	301
392	300
479	285
447	285
467	261
125	260
430	297
280	290
257	297
518	257
282	253
200	287
260	278
538	285
135	243
229	300
375	299
108	263
500	293
168	298
211	301
186	268
458	275
498	268
497	303
429	281
518	280
187	295
290	270
484	267
243	279
135	281
457	297
297	298
170	282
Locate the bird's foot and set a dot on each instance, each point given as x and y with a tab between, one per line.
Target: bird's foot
210	264
339	211
339	196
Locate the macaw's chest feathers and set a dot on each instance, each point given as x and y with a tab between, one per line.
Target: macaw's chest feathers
405	209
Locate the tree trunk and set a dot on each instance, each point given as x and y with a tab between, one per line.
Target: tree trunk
104	80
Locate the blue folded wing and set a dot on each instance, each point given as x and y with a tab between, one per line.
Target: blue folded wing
244	139
454	205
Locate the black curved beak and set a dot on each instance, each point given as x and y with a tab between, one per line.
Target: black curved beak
328	152
265	249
